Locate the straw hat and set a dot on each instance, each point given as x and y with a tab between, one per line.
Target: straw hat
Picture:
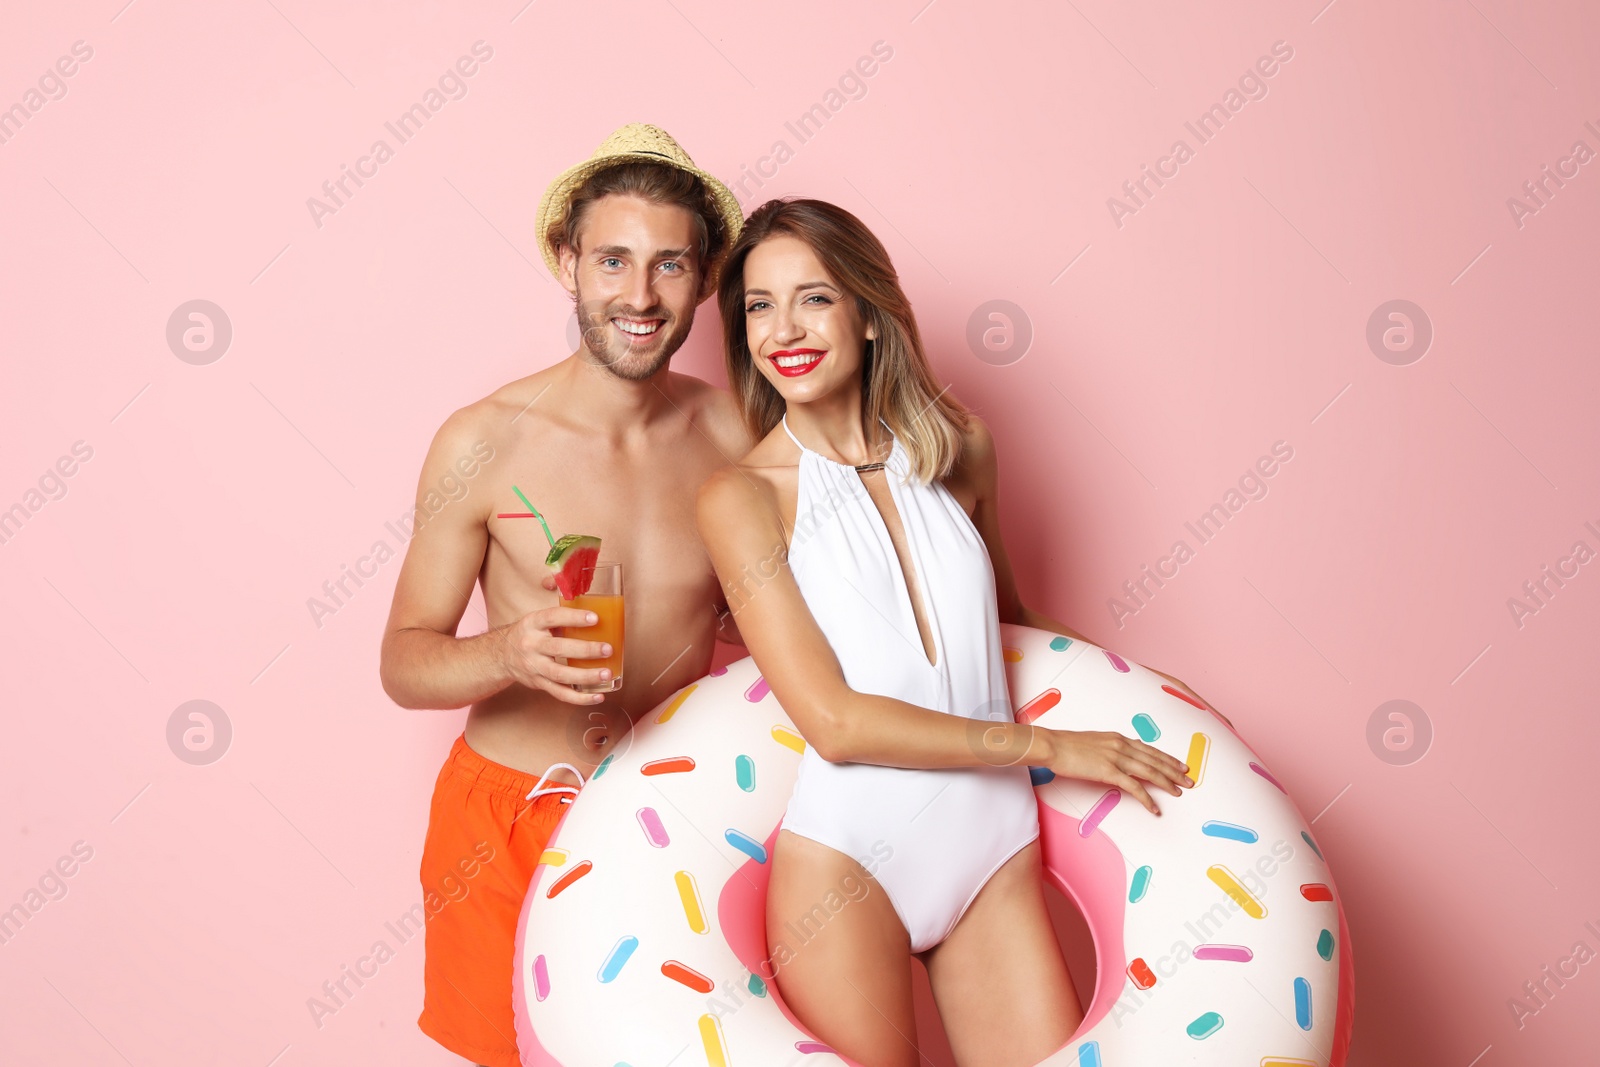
635	141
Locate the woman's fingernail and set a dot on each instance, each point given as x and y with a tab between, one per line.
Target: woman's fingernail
592	617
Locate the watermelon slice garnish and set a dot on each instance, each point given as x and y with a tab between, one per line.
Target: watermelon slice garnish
573	557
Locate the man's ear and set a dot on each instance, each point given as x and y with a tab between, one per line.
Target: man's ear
567	256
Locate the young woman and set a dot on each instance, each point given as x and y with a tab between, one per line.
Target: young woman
859	546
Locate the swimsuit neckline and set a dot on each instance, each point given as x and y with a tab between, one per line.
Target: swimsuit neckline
895	449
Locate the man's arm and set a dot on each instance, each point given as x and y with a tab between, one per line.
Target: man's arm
422	663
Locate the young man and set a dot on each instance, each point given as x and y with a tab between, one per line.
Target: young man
607	442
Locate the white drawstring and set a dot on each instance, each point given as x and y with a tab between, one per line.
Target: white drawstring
556	788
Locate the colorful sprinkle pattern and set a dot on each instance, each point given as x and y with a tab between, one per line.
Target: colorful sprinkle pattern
1233	843
617	957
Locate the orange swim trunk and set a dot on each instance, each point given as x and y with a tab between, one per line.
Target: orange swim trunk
484	840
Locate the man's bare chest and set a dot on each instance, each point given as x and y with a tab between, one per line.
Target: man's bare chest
642	511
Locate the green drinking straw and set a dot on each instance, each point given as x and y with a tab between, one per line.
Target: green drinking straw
536	515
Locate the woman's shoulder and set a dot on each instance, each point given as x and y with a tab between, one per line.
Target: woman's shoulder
728	489
977	442
976	465
746	492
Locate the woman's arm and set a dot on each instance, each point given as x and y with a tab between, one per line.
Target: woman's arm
983	468
739	525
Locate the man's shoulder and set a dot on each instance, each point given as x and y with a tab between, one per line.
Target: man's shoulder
713	409
513	405
687	389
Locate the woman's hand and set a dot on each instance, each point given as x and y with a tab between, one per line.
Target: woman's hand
1111	758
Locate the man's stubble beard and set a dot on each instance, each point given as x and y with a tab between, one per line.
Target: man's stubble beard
600	346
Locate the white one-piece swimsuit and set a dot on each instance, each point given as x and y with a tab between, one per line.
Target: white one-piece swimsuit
931	838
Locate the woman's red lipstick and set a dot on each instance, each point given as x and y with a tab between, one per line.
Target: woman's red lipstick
805	366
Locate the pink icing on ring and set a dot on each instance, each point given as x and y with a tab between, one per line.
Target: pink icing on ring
654	832
1101	809
1231	953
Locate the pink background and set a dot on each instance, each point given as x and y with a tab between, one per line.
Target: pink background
1169	353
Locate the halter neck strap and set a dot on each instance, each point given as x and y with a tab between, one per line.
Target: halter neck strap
790	432
892	439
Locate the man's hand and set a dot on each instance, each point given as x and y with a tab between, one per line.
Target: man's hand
530	650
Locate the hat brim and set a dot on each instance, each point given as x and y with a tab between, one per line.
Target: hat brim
556	195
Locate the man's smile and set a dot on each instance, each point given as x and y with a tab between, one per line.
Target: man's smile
639	329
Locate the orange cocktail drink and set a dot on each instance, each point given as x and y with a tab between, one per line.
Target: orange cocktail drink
604	598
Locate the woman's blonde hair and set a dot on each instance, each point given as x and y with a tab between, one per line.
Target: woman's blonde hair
897	383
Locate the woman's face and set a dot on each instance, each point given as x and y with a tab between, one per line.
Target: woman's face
804	332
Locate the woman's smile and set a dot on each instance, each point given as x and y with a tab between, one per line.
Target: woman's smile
793	362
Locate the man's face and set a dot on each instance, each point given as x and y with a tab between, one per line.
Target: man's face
635	281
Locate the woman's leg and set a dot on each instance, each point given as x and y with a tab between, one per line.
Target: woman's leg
841	954
999	979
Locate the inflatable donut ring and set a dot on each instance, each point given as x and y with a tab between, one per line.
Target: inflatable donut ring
1219	934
